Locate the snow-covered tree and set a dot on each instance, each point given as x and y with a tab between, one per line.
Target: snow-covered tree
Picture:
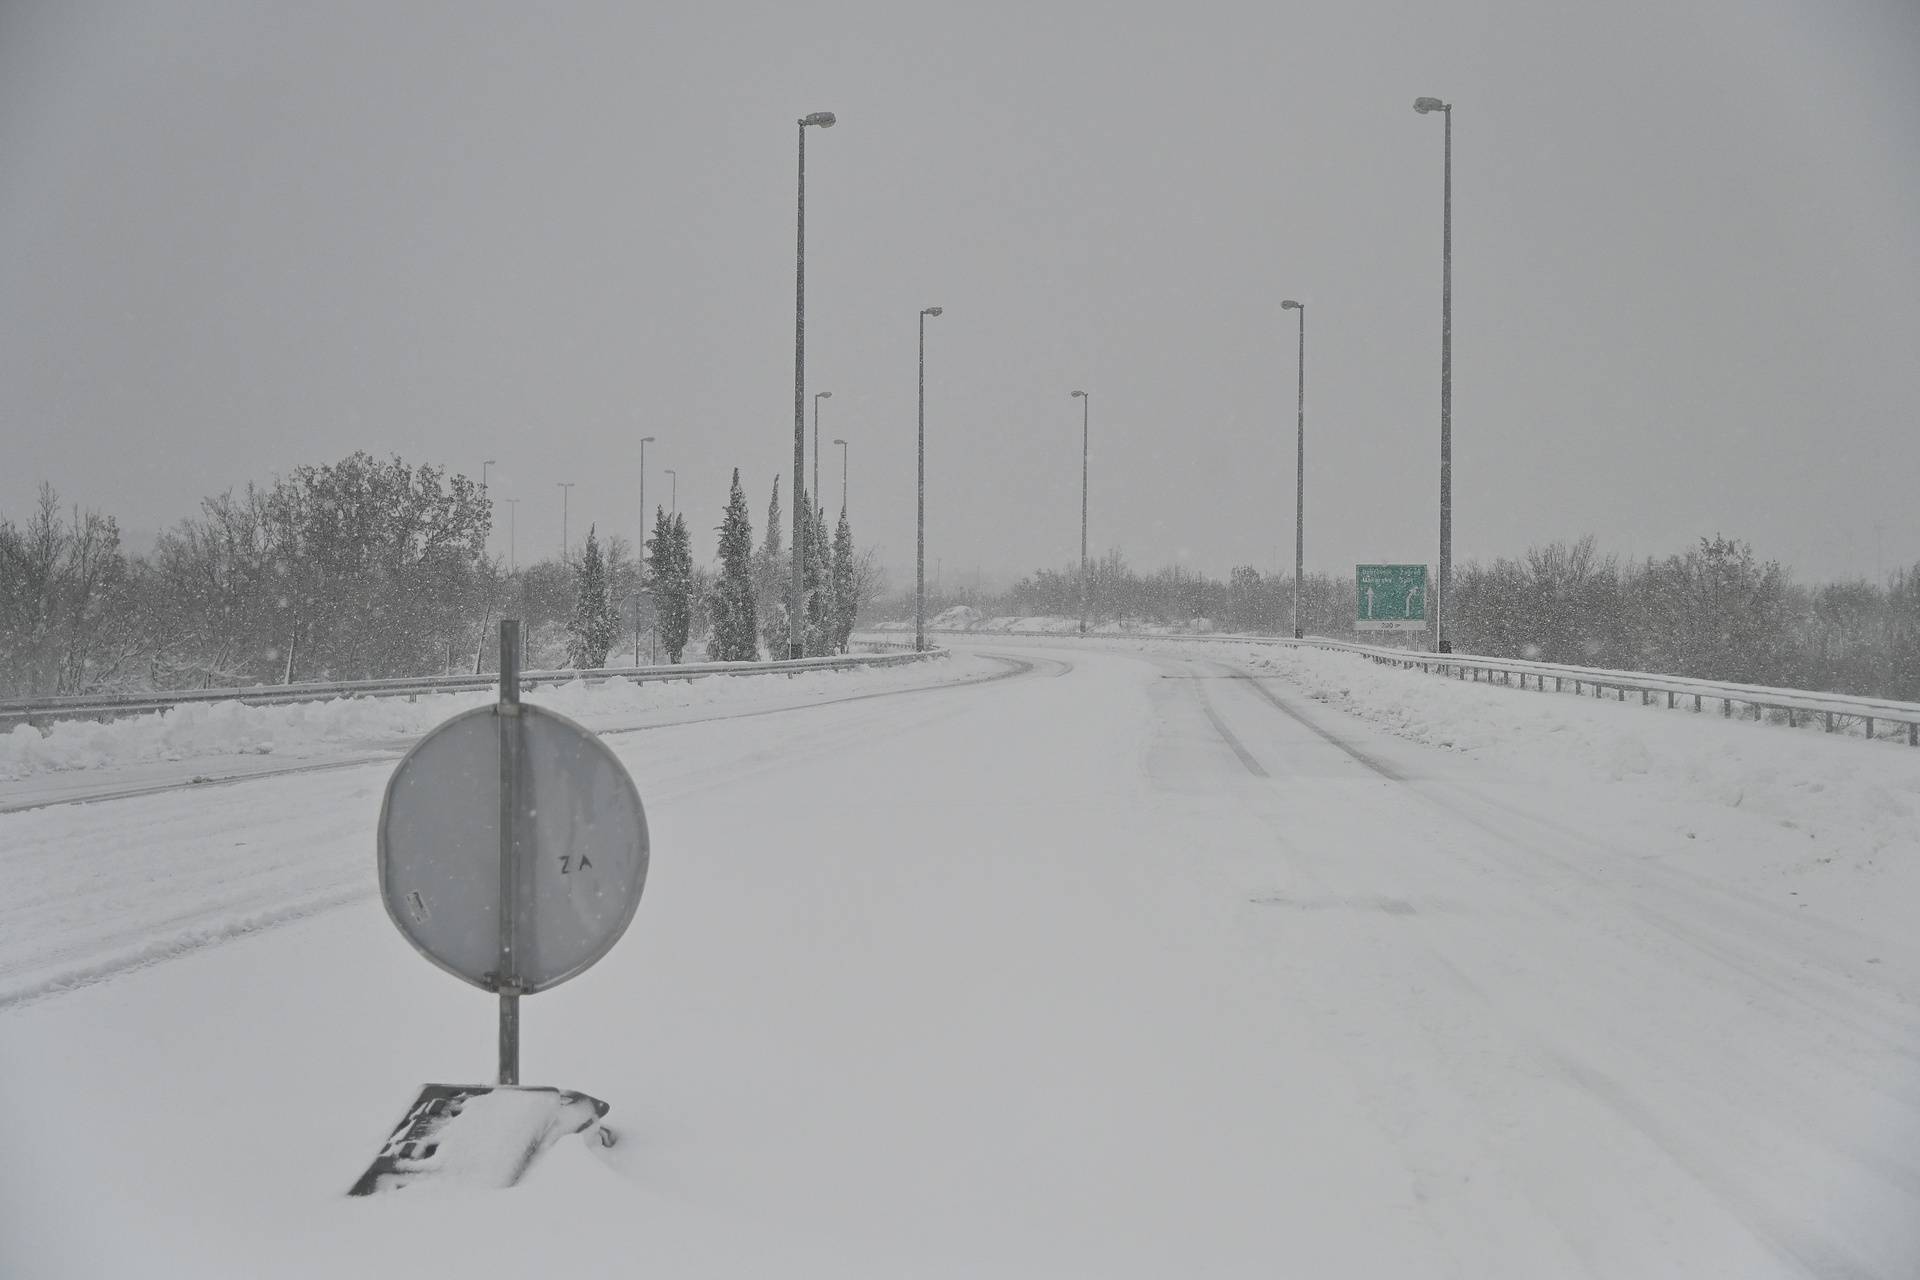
845	593
595	624
730	602
770	582
816	583
672	586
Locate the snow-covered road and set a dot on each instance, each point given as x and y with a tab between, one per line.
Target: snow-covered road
1138	963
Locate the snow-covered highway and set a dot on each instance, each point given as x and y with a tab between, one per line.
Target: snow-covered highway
1138	961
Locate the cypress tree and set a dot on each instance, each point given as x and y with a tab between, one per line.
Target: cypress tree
815	585
770	571
595	625
678	617
670	611
735	637
844	603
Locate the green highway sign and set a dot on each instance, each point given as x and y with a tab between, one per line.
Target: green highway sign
1390	597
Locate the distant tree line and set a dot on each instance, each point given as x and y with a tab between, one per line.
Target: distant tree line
1714	611
370	568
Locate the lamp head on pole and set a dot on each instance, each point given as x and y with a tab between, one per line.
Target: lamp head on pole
1290	305
823	395
819	119
930	311
839	441
1424	105
1079	395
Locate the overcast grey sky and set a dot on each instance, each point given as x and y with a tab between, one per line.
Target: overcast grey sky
239	237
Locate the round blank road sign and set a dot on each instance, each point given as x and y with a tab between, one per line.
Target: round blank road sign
580	848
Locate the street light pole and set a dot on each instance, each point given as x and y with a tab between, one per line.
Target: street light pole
1423	106
1299	468
796	598
843	475
818	396
920	512
640	550
566	491
1086	583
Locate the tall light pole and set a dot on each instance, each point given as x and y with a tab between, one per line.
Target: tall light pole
566	491
640	552
1086	583
920	516
1299	467
796	600
843	475
673	503
513	530
1423	106
818	396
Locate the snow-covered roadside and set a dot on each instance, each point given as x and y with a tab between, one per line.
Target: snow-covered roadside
961	617
1819	821
95	890
312	730
1810	820
1801	780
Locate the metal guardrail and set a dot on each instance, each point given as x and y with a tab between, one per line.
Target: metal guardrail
1835	710
39	711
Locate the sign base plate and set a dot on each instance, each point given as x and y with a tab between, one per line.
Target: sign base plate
478	1135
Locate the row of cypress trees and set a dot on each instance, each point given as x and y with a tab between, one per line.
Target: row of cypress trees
748	604
746	601
595	625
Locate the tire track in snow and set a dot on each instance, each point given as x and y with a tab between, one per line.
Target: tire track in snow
1808	1252
392	750
1246	758
228	924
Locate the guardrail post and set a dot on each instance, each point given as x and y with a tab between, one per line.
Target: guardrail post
1869	728
1669	699
1793	719
1696	702
1913	733
1556	684
1726	707
1829	722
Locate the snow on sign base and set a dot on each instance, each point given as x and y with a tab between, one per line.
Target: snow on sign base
580	847
478	1136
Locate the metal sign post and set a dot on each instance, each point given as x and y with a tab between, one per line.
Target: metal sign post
513	851
507	977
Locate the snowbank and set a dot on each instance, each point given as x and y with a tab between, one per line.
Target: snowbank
962	617
300	730
1856	796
